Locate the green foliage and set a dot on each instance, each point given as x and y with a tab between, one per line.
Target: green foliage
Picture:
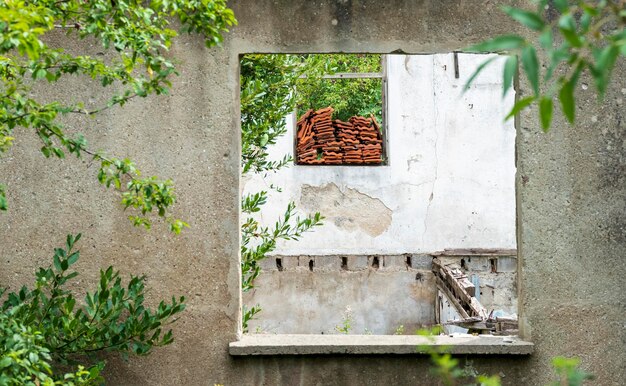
47	327
448	370
346	323
139	36
586	36
258	241
268	94
267	97
399	330
24	360
348	97
568	372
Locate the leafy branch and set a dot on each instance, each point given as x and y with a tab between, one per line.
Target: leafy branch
112	318
585	37
139	35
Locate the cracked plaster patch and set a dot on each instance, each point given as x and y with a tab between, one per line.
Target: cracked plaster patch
350	210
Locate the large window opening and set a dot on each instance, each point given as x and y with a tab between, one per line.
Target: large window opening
410	243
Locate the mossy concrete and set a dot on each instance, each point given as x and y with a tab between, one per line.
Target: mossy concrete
570	185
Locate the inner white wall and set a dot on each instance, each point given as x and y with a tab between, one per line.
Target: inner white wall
450	178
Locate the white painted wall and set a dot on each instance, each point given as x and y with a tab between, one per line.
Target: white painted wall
449	182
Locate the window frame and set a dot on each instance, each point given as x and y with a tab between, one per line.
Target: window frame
353	75
346	345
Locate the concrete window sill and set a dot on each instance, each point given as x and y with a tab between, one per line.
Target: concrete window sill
259	344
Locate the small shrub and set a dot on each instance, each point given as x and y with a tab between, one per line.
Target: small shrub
45	329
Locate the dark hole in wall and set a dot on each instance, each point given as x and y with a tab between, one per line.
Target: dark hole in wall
344	262
494	265
311	264
463	264
279	264
408	261
418	276
375	262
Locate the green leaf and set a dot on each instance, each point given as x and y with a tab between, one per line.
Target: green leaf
510	68
566	96
604	66
545	39
46	151
585	22
545	113
561	5
520	105
73	258
529	19
567	26
500	43
57	262
40	73
264	139
531	67
5	362
478	71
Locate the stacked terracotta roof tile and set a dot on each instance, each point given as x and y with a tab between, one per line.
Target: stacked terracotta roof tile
322	141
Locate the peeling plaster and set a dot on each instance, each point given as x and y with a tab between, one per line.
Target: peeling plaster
350	210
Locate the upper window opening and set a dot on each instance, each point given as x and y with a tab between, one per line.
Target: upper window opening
340	111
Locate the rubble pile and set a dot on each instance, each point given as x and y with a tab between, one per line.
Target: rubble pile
324	141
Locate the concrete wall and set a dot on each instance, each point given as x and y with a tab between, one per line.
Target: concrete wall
450	177
372	296
310	294
571	195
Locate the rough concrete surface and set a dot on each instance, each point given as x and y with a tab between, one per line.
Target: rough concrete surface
571	200
319	302
449	179
299	344
322	294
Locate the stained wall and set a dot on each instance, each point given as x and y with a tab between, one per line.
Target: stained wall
571	200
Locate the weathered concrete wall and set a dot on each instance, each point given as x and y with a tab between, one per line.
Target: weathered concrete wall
310	294
450	177
571	203
372	296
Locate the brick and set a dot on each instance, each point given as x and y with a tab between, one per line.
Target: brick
507	264
478	263
422	262
375	262
268	264
288	263
327	263
394	263
356	263
303	263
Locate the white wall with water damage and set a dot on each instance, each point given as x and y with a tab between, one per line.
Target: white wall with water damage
448	182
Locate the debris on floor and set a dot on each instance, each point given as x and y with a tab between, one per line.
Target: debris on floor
460	292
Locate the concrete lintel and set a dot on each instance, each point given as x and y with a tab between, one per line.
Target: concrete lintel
376	344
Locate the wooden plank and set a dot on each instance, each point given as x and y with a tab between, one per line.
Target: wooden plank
476	252
441	286
351	75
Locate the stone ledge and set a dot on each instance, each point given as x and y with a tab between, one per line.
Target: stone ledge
374	344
